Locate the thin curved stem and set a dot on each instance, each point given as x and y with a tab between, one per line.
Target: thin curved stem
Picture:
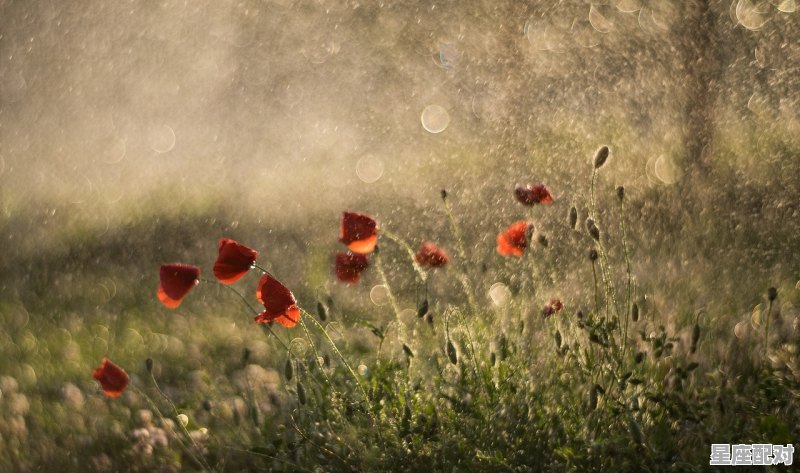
630	279
411	255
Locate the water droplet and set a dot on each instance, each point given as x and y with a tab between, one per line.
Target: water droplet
628	6
183	419
435	118
369	169
448	56
750	15
666	171
598	21
788	6
379	294
500	294
757	316
363	370
161	138
740	330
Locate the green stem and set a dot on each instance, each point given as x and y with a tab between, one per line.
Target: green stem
412	256
342	358
766	329
462	256
630	279
316	354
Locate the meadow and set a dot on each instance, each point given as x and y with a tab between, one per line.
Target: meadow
583	349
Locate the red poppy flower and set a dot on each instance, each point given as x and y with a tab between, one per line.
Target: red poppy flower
176	281
359	232
431	256
234	261
349	266
112	378
514	240
533	194
552	307
279	303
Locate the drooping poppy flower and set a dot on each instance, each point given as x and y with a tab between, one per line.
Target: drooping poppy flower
359	232
279	303
514	240
349	266
234	261
532	194
431	256
176	281
552	307
112	378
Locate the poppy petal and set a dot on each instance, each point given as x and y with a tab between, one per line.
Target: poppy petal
176	280
112	378
279	303
431	256
359	232
532	194
234	261
514	240
349	266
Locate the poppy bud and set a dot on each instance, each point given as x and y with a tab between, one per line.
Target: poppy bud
326	360
620	192
377	250
593	398
600	157
429	318
592	229
245	355
558	339
422	309
695	337
593	254
408	351
772	294
444	194
573	217
635	312
640	357
148	363
451	352
301	394
207	405
492	358
322	311
288	370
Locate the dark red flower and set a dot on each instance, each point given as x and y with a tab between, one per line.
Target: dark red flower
552	307
349	266
359	232
176	281
234	261
514	240
279	303
112	378
431	256
533	194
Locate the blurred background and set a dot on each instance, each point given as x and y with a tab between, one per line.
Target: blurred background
139	132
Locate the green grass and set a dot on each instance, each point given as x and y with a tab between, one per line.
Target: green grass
481	388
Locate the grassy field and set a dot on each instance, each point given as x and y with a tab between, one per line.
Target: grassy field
482	381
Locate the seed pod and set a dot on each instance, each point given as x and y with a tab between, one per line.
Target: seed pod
322	311
772	294
444	194
573	217
288	370
301	394
620	192
600	157
148	363
593	255
408	351
422	309
451	352
695	337
635	312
